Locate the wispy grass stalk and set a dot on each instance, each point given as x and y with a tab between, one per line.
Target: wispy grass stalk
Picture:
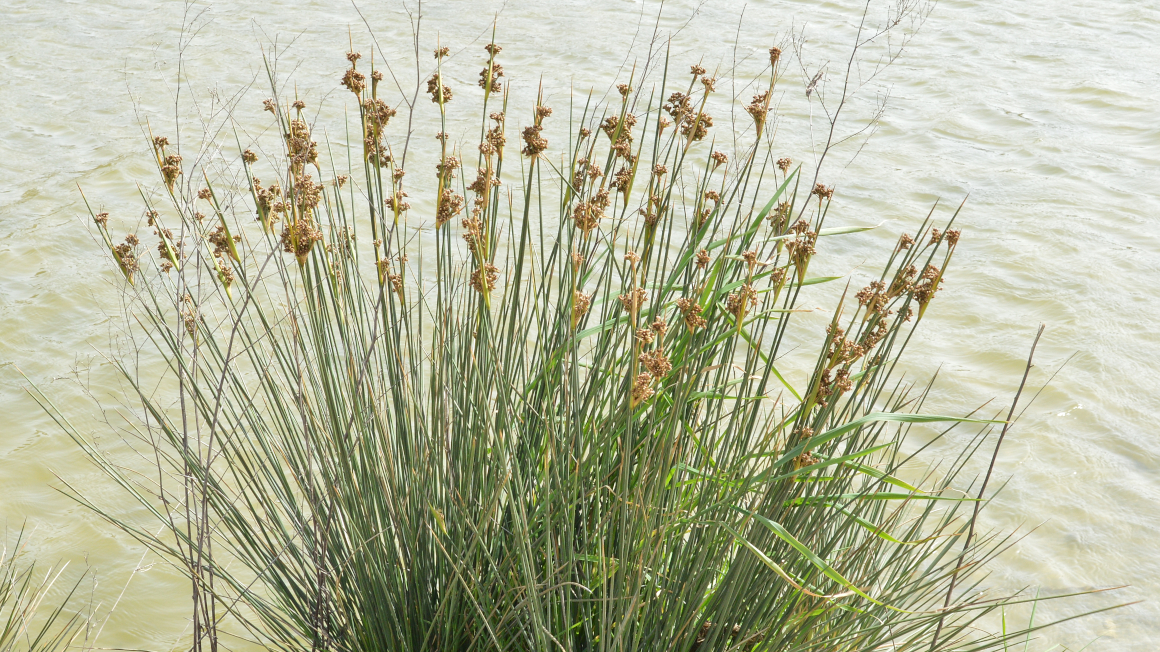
31	620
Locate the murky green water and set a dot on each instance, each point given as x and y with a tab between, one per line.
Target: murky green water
1045	112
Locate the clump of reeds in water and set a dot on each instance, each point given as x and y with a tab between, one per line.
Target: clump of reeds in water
565	432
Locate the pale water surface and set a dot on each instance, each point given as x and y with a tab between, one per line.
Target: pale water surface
1046	112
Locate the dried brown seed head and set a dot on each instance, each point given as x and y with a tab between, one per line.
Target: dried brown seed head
378	113
805	459
633	299
623	179
396	202
450	205
842	382
656	362
641	389
702	259
580	304
354	81
739	302
779	218
298	238
586	216
623	149
450	164
489	78
483	279
171	169
534	143
697	127
758	108
440	92
691	312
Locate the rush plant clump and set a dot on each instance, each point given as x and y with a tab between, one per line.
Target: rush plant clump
563	432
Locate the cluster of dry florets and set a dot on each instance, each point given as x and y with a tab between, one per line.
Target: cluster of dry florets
801	247
440	92
878	303
376	116
593	192
779	217
483	279
650	342
534	141
492	71
591	196
169	164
